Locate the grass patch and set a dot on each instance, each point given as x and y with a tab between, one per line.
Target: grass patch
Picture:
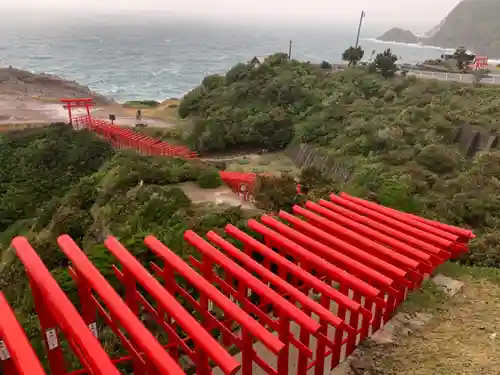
4	128
141	104
461	338
275	163
427	299
166	111
471	274
173	135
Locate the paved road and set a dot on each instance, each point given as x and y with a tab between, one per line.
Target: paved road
492	79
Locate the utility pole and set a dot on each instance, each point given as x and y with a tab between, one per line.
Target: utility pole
363	14
290	50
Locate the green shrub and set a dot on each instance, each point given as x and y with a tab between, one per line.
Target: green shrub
326	65
142	103
439	159
209	179
274	194
257	170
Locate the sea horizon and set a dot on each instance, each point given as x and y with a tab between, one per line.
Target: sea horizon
143	57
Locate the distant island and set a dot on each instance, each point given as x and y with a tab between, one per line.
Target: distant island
400	36
472	23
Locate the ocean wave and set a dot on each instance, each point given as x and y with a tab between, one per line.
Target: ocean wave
413	45
425	46
160	72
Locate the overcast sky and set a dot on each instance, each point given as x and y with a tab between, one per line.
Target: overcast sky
392	12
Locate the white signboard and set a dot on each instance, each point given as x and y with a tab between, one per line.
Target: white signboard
93	329
52	341
4	352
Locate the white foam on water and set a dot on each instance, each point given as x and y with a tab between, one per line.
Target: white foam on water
413	45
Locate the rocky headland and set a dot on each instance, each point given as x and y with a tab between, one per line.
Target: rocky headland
33	98
472	23
44	86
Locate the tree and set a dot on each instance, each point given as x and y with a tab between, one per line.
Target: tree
462	57
353	55
385	64
276	193
277	59
326	65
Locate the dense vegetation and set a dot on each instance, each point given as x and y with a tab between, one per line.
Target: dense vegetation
56	181
249	107
397	133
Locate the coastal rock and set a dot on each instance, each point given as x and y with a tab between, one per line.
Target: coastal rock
399	35
23	83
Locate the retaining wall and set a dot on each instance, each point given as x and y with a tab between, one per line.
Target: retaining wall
305	156
470	139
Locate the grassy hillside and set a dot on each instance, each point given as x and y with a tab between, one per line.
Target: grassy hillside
264	107
397	134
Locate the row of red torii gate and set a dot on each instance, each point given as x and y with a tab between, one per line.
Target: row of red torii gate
293	293
125	137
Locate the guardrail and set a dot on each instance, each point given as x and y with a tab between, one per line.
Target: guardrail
492	79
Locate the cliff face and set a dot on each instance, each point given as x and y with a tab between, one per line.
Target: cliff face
472	23
432	32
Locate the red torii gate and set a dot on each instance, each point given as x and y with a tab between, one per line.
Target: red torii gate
16	354
238	293
71	103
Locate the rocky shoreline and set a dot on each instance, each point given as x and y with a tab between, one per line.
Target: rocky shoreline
21	83
31	98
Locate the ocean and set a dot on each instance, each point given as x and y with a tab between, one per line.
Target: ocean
137	57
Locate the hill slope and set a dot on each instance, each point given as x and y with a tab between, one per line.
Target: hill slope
398	135
56	181
472	23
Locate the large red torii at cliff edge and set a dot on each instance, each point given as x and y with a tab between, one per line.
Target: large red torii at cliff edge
72	103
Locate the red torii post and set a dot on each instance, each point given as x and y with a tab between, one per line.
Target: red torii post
69	103
16	354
